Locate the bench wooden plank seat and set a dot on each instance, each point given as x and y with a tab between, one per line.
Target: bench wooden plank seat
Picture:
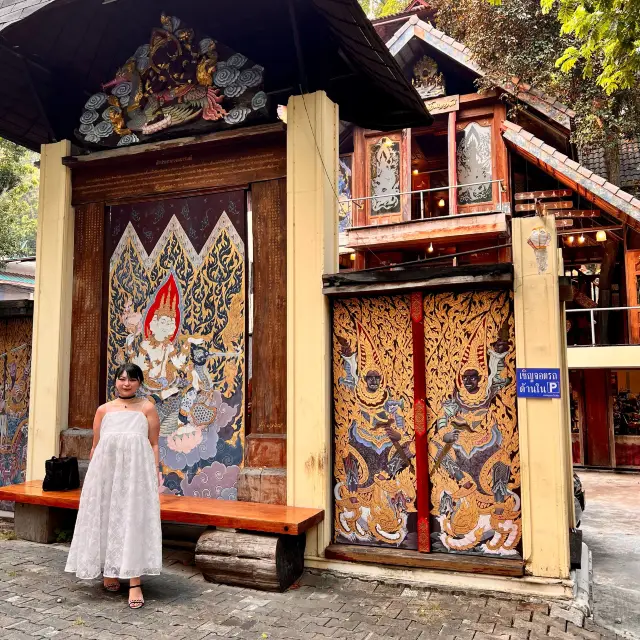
267	551
250	516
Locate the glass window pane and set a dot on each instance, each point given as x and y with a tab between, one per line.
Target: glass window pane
474	163
384	163
344	193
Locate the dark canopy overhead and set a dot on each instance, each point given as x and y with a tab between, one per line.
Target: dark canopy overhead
54	58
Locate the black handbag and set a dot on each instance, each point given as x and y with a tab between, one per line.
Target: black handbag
61	474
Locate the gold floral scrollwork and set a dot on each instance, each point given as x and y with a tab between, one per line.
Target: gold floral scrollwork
374	442
472	435
420	417
423	534
416	307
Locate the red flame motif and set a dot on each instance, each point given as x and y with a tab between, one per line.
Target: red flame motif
166	303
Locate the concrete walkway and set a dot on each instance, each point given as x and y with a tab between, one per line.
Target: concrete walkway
611	529
37	599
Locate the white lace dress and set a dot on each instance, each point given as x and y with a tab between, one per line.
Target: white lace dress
118	533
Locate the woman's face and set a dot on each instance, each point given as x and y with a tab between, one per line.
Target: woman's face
126	386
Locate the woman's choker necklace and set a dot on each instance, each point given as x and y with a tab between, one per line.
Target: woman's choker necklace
127	397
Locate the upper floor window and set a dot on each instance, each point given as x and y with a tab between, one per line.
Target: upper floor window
345	191
474	165
384	175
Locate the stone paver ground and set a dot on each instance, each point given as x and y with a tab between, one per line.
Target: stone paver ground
611	529
37	599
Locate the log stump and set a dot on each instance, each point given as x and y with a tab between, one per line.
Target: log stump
37	523
260	561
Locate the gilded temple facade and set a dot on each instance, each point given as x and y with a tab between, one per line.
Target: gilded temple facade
356	354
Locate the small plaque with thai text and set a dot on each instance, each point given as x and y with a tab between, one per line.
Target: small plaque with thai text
446	104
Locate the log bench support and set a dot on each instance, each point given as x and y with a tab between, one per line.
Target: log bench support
256	560
247	544
36	523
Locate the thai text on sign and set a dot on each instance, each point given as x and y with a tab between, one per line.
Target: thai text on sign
538	383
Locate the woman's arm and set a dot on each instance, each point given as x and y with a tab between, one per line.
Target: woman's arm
97	421
154	432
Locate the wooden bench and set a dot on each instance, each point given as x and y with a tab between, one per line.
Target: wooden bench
256	545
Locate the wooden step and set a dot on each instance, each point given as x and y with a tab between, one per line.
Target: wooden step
468	563
248	516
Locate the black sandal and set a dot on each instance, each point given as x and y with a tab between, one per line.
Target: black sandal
113	587
137	603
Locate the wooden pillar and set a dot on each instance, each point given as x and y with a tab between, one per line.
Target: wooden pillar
453	166
49	403
545	455
598	420
312	250
263	478
632	271
87	334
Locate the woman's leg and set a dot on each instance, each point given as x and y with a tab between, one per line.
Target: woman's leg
136	599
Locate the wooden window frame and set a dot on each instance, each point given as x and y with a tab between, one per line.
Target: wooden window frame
361	178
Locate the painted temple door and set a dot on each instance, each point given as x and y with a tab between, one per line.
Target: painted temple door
474	457
426	452
176	307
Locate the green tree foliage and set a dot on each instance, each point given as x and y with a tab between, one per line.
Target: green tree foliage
382	8
18	201
607	39
518	38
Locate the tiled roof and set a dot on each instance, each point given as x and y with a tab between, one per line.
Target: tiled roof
593	159
546	104
609	197
17	280
629	162
14	10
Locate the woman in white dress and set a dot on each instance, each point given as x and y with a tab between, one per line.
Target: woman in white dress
118	531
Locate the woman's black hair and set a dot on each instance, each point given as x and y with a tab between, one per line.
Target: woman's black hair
133	371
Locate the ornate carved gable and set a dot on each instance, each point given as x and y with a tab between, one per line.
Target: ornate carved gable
178	82
428	81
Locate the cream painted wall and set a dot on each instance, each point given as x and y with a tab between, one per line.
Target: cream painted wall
622	357
312	250
49	403
545	454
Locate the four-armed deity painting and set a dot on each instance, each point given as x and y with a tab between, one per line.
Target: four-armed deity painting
471	467
474	464
374	467
177	309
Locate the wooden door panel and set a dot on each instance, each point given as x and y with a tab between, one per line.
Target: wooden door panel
598	446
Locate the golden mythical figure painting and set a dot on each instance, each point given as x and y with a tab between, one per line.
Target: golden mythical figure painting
474	464
471	467
375	477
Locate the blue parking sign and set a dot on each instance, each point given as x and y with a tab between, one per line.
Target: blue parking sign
538	383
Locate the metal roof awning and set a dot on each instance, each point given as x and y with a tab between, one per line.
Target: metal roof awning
414	276
610	198
55	54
